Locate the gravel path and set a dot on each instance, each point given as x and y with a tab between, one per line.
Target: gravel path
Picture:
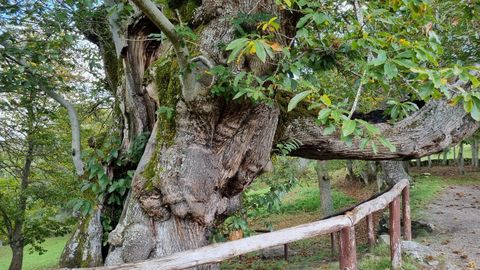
456	217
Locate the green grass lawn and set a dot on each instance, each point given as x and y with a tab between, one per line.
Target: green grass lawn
49	259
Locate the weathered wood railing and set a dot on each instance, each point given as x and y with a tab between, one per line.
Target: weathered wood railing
345	223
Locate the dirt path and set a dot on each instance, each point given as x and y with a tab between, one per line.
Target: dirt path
456	217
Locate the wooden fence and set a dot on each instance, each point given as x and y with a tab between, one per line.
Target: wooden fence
344	223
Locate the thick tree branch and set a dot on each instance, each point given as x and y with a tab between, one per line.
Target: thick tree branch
434	127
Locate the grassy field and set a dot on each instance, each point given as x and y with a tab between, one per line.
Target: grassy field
34	261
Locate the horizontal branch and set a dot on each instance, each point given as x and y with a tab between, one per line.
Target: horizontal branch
434	127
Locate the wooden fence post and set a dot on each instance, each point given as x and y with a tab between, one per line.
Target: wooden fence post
333	242
407	222
395	245
348	251
370	231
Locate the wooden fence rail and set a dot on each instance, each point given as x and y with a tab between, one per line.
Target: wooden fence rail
345	223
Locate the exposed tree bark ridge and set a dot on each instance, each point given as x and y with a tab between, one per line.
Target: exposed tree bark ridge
425	132
84	249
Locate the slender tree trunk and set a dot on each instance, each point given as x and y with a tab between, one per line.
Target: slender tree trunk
419	162
326	202
475	153
350	172
429	161
17	239
461	160
455	154
406	166
394	171
372	170
445	156
17	257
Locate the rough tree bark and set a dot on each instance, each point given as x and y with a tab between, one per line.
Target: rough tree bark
326	202
425	132
197	163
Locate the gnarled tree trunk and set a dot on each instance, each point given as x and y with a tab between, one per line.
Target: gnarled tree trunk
197	163
200	158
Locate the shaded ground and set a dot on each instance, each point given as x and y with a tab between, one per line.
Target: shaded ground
456	216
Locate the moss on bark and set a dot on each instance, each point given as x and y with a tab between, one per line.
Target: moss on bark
165	76
186	9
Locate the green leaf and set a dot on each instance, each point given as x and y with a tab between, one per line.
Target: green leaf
321	18
304	20
238	78
381	58
260	50
324	113
364	143
329	130
476	109
405	63
297	98
475	113
374	147
237	43
234	54
387	144
348	127
326	100
390	70
474	80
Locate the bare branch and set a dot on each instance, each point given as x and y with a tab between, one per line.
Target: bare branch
357	97
75	125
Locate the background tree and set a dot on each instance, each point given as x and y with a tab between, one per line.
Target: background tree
35	182
41	56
